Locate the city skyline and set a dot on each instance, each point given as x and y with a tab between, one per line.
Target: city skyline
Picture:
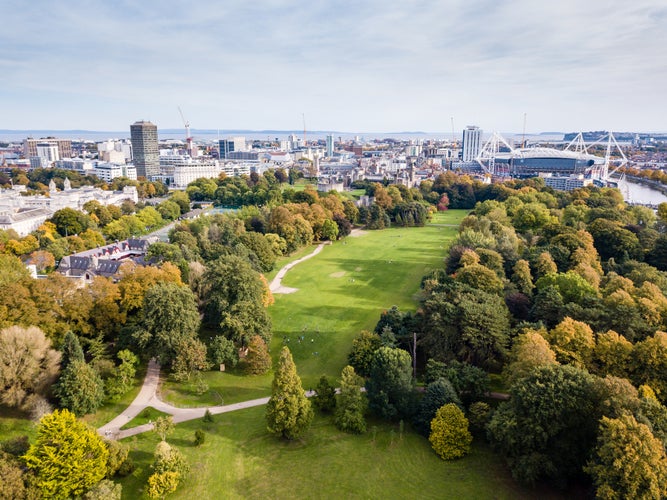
357	67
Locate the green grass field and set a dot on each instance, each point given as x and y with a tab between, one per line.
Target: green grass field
241	460
342	291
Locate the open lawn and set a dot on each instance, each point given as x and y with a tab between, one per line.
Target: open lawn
341	291
239	459
346	287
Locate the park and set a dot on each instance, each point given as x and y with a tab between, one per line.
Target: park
335	295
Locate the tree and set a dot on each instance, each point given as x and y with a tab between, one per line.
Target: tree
190	357
170	467
522	277
325	397
438	393
573	342
612	353
363	349
351	405
390	385
629	461
530	351
163	426
12	270
223	351
233	295
548	427
650	364
70	222
170	315
80	388
28	365
71	350
288	412
450	436
104	490
67	457
12	484
123	376
258	360
118	453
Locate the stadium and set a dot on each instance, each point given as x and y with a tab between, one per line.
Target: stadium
498	158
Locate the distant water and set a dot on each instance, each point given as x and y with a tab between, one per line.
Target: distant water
639	193
211	136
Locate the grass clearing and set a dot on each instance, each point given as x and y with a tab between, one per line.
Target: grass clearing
239	459
146	416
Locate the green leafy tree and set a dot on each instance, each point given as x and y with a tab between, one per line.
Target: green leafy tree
118	453
80	388
629	461
288	412
67	457
351	405
104	490
438	393
573	342
71	350
450	437
234	295
190	358
363	349
170	315
258	360
548	427
28	364
70	222
325	397
612	354
123	375
390	387
522	277
649	364
223	351
163	426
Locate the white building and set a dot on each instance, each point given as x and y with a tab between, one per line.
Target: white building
472	143
80	165
109	171
26	213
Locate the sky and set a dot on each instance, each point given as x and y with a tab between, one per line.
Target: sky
347	66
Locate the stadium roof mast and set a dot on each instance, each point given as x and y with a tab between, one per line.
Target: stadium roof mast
612	148
487	155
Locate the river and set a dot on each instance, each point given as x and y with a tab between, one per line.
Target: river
639	193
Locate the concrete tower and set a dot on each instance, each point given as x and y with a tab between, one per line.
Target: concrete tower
145	149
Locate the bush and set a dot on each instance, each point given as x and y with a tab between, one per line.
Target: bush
200	437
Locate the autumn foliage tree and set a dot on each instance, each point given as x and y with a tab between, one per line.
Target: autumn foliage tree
28	364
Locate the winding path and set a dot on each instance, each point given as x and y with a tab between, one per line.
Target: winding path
148	397
276	284
148	394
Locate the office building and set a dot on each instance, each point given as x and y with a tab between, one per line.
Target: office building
145	150
330	145
472	143
234	144
64	147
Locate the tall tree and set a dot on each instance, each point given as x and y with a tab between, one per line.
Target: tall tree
233	294
351	405
438	394
68	457
80	388
288	412
71	350
170	316
28	364
258	360
629	461
390	385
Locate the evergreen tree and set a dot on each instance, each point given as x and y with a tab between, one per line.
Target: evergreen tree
258	361
390	386
68	457
288	412
351	404
71	350
80	388
438	394
325	399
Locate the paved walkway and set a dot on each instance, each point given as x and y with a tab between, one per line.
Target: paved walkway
148	397
276	284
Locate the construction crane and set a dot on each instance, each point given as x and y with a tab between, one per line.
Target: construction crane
188	139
